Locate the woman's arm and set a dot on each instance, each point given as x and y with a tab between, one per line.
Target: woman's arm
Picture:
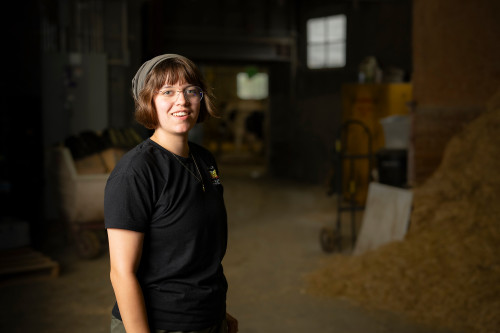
125	249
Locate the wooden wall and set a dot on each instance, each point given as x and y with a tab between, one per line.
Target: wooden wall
456	47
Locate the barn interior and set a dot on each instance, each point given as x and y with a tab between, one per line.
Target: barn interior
357	144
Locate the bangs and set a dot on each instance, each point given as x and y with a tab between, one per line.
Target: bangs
175	71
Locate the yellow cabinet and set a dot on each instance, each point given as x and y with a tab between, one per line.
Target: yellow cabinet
369	103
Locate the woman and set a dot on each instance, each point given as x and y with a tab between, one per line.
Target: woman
165	214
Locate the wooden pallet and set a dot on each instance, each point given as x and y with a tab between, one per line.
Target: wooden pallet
26	263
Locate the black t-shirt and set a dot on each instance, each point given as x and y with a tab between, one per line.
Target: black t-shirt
185	233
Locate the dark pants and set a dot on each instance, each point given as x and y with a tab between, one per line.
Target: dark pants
117	327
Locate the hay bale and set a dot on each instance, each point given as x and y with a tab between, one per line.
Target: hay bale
446	273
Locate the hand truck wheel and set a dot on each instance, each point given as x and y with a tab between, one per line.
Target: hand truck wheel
329	239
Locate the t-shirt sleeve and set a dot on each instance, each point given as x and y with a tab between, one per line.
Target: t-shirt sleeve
127	203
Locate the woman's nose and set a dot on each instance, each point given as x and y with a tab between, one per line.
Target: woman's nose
181	97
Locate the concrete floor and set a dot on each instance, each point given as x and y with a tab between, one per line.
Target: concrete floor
273	241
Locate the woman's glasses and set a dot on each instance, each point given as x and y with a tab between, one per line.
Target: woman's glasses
192	94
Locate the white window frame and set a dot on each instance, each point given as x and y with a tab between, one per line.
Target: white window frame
326	42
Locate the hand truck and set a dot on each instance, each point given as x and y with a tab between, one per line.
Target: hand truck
343	183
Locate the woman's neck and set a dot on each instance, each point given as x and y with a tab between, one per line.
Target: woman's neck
177	144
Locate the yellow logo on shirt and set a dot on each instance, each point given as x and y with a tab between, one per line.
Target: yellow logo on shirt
214	175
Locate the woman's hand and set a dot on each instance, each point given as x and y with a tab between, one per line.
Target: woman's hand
232	323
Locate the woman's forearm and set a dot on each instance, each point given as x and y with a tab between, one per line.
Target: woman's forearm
130	302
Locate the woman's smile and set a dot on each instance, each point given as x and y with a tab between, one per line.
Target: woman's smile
180	113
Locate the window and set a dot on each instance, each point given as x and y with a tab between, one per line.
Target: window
254	86
326	42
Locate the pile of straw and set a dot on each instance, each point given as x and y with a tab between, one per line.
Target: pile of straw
446	273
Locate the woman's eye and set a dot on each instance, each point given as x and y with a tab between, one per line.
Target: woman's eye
168	92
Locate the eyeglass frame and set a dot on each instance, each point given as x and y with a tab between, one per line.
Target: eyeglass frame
184	93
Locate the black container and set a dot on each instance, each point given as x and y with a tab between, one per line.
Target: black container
392	167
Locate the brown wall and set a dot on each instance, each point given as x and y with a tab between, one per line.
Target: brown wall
456	52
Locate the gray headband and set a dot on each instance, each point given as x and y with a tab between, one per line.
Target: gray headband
142	73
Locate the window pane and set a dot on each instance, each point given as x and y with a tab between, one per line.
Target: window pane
326	41
316	30
336	55
255	87
335	28
316	56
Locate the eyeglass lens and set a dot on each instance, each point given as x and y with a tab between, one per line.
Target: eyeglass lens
193	94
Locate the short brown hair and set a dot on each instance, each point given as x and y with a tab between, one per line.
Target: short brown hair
171	70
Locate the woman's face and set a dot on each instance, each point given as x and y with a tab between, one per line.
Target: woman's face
177	114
